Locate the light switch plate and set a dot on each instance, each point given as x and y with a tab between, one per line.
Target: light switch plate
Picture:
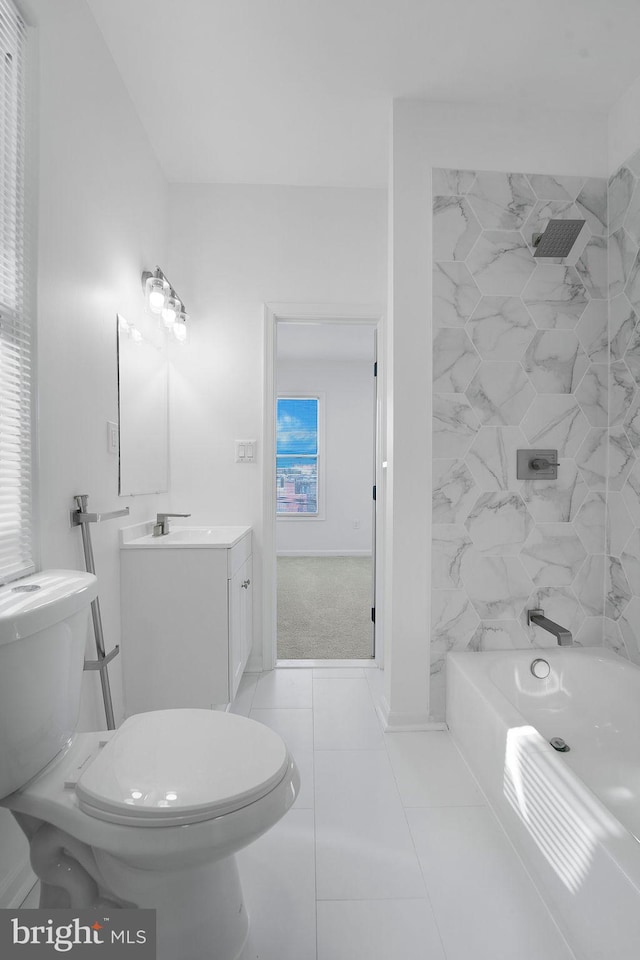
245	451
113	439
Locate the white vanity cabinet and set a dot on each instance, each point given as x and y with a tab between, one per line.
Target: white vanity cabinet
186	604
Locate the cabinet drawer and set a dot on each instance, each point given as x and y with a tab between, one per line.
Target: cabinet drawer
238	554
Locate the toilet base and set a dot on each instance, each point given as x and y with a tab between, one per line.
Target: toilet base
200	910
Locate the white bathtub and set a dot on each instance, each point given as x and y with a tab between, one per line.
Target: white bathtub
573	817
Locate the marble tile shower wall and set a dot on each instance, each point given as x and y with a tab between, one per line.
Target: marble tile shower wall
622	561
521	360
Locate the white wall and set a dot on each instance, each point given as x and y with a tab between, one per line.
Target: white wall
233	248
347	473
101	220
465	136
624	126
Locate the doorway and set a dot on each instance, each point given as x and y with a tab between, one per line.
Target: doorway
323	464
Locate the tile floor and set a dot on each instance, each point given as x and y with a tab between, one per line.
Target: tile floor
389	850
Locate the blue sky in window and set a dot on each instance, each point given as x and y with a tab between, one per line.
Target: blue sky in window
297	426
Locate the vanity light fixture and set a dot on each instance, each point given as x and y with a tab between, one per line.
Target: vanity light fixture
162	300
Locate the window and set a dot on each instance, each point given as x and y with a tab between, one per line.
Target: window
15	330
297	456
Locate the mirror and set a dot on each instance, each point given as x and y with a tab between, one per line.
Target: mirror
143	406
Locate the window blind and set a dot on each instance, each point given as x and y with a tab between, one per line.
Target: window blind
15	330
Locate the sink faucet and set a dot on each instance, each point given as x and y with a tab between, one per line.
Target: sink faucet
161	526
562	635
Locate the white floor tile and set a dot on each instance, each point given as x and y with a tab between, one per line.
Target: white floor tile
284	688
364	849
377	930
485	905
244	696
306	797
278	878
295	726
344	717
430	772
338	673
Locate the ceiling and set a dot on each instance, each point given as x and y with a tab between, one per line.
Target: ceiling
298	91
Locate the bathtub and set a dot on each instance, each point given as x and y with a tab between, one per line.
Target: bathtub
573	817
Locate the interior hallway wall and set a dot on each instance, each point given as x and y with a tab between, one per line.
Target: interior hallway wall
234	248
346	457
101	219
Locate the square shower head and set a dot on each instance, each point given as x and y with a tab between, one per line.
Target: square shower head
558	238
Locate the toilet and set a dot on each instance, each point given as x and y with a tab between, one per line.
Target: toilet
148	815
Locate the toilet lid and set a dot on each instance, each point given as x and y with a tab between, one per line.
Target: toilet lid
169	767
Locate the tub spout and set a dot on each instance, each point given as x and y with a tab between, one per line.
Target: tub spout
562	635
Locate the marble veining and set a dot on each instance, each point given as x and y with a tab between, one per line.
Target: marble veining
621	187
454	426
553	554
499	523
589	585
619	523
455	294
593	395
497	586
451	182
454	491
454	360
631	493
618	591
632	355
546	187
455	228
555	500
621	458
592	266
500	393
631	425
499	635
501	263
592	205
501	328
590	522
453	622
632	216
501	200
556	422
555	296
622	324
622	389
450	543
622	255
555	361
630	560
592	331
632	288
492	457
592	459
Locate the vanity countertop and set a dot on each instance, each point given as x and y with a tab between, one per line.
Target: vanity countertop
139	536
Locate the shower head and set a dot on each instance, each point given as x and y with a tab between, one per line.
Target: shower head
557	239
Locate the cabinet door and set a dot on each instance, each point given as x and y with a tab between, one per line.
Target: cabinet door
240	624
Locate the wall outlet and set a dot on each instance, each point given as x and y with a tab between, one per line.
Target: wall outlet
356	524
113	437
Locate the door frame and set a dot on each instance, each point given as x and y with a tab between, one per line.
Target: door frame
371	315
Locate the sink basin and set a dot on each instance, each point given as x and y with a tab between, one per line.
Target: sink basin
222	537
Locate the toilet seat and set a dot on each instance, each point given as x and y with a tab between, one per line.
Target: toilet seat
174	767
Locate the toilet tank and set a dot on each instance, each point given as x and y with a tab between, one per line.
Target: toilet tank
43	629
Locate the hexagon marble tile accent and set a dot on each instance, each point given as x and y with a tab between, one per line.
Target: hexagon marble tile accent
523	359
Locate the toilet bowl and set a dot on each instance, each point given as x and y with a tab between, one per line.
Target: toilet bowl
149	815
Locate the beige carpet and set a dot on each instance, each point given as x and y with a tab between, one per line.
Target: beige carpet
324	608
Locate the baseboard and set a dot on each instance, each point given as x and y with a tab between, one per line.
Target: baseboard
15	887
324	553
396	722
254	663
